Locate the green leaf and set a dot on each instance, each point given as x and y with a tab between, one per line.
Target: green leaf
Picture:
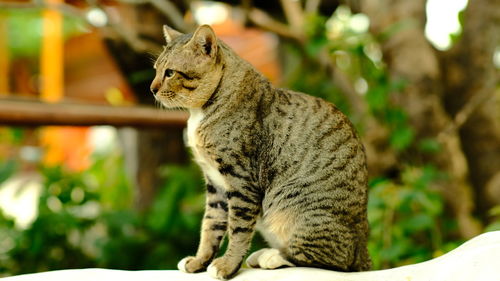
402	138
493	227
429	145
418	222
495	211
396	117
7	169
377	98
161	216
393	252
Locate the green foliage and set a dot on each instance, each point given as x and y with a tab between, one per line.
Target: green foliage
107	176
9	166
46	244
12	136
379	101
7	169
429	145
495	215
407	219
315	29
25	30
88	220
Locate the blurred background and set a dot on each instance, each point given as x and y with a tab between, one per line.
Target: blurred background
94	174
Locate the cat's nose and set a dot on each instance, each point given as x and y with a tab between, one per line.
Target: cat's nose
154	89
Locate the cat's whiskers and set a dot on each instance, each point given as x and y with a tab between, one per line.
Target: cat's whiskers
191	99
170	104
158	104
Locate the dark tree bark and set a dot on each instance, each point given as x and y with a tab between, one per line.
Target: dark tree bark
470	82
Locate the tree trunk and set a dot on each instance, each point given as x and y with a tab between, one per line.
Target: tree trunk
470	82
411	58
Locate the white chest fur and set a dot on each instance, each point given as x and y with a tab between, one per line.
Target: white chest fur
196	143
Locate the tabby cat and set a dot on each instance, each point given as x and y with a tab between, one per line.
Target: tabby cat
288	164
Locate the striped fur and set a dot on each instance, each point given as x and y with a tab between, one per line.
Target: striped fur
281	161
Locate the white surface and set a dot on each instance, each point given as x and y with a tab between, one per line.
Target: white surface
476	260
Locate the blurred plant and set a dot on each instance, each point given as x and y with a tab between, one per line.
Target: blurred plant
408	223
85	219
7	169
495	219
27	24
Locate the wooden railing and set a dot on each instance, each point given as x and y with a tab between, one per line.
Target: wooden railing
22	112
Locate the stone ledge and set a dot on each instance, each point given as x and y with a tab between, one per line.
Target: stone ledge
476	260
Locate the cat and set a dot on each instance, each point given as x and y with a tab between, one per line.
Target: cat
286	163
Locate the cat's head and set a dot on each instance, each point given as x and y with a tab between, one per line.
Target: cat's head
188	70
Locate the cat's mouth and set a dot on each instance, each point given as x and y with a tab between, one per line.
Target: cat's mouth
165	95
169	99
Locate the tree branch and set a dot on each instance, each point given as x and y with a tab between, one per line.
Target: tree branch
266	22
294	13
171	12
133	40
469	108
470	78
168	9
312	6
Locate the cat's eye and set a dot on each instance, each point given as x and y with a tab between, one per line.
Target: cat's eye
169	73
185	76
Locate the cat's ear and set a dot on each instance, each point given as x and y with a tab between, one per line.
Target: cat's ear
205	40
170	33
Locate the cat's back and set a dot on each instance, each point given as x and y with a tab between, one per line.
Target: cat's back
314	144
308	126
315	181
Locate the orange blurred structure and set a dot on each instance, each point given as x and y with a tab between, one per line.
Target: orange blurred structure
4	56
66	145
253	45
51	59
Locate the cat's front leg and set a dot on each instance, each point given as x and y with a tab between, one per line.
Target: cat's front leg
213	228
244	207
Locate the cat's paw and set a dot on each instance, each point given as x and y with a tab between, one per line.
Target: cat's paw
253	259
223	268
191	265
268	259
